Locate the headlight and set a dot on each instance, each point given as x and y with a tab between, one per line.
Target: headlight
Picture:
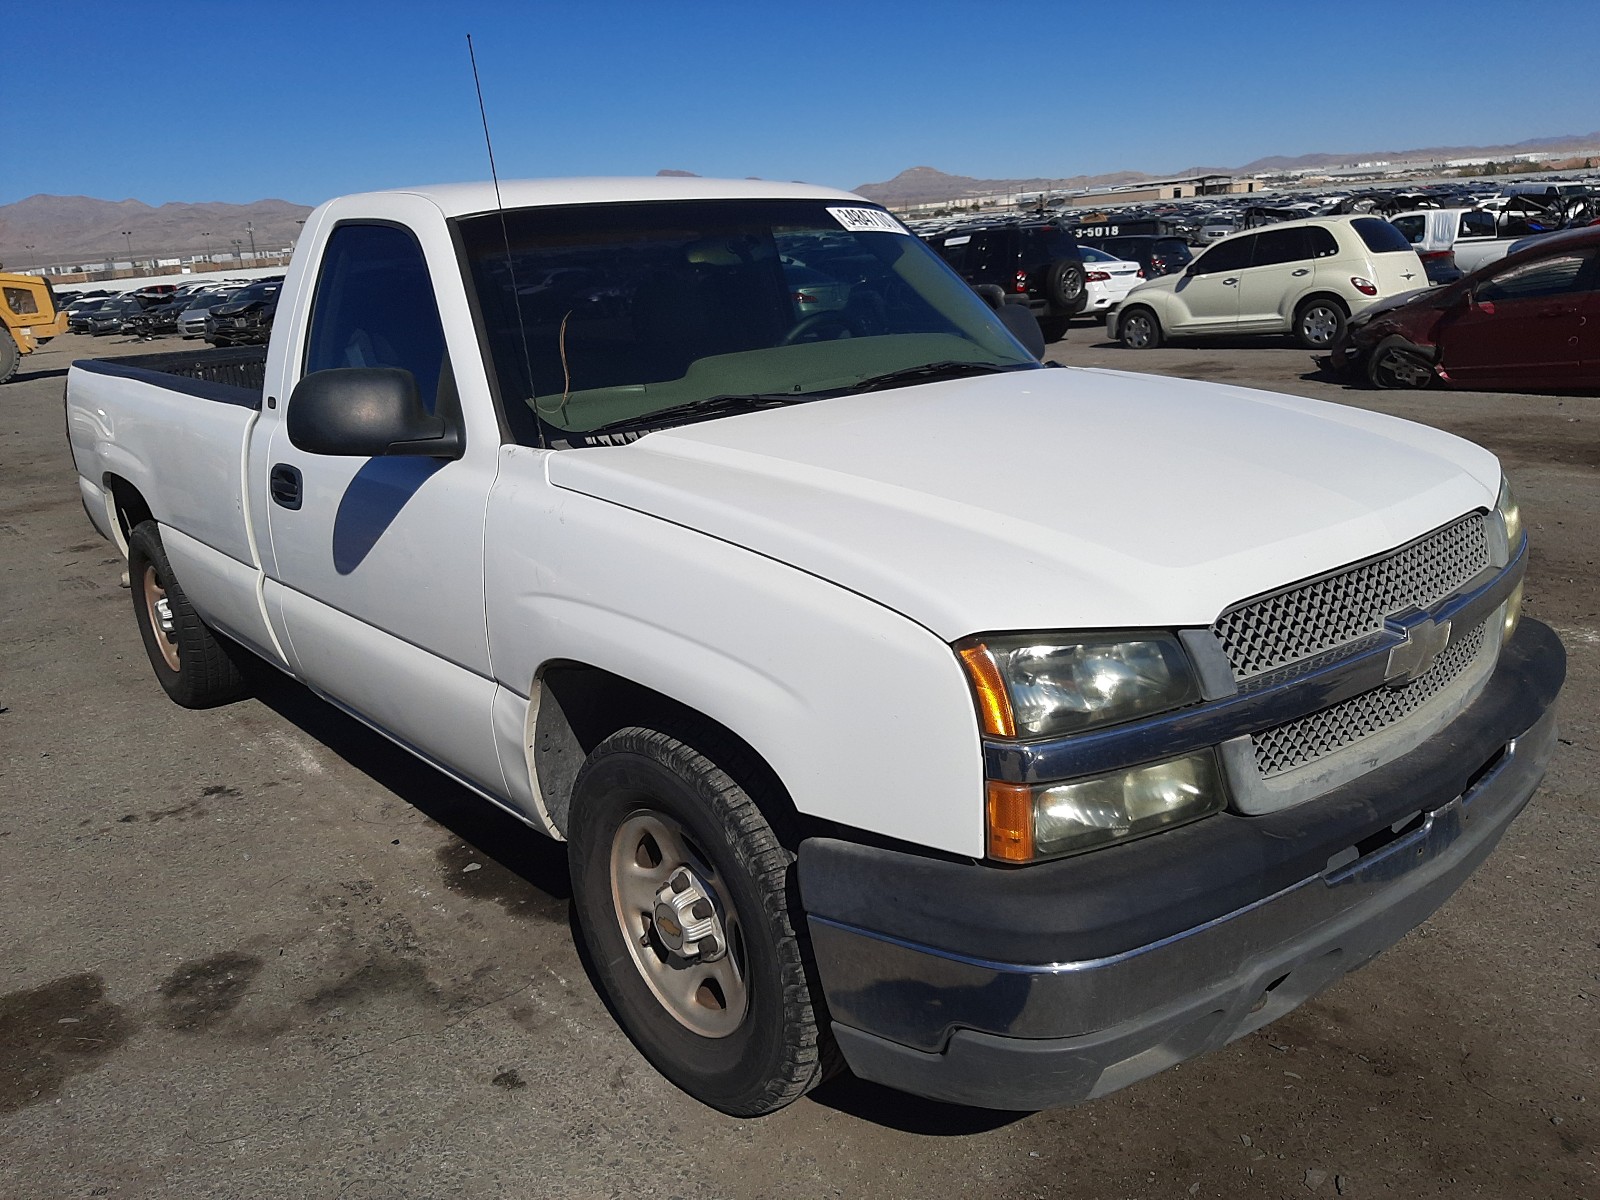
1510	515
1050	820
1040	685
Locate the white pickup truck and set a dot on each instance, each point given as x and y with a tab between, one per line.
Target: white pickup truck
1006	732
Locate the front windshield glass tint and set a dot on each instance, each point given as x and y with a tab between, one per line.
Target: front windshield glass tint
607	313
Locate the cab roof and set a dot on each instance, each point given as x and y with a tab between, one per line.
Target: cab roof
467	199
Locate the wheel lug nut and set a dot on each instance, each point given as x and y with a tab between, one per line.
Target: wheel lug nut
701	909
680	882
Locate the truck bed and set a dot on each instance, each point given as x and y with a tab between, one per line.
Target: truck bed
232	375
174	428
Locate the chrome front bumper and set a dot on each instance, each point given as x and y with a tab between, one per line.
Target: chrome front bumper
961	1027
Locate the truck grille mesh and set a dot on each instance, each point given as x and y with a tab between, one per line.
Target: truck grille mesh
1299	742
1310	618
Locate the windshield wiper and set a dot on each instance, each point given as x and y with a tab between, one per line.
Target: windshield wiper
706	406
950	369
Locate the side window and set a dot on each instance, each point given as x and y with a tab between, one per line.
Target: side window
1477	224
1320	242
1526	281
374	307
20	301
1413	226
992	255
954	249
1232	254
1275	246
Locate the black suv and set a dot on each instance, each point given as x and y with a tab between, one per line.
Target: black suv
1035	261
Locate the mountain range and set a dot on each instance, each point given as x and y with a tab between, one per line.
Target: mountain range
44	230
923	184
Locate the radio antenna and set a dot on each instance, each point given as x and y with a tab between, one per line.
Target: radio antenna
505	237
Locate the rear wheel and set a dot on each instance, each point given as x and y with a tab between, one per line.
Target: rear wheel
194	666
681	893
1318	324
1138	329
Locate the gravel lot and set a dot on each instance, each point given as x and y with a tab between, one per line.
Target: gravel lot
246	951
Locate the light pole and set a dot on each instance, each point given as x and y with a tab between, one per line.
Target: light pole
250	228
128	235
207	235
237	256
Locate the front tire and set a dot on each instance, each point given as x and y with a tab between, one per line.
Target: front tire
1138	329
1394	364
10	356
1318	324
681	893
193	665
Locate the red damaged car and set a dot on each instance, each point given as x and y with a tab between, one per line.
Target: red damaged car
1529	322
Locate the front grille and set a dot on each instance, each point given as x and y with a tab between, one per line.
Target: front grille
1317	615
1299	742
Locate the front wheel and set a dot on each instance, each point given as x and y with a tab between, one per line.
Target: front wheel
1394	364
10	356
1318	324
681	893
1139	330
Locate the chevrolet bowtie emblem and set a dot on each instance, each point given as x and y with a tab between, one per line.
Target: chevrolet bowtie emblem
1424	641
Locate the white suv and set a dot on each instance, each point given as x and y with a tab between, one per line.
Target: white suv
1305	278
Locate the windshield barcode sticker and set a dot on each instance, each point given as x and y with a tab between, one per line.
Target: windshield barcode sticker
868	220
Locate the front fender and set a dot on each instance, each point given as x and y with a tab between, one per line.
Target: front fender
864	715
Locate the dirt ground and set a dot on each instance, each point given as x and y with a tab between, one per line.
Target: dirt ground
246	952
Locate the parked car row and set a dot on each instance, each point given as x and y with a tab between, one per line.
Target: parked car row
225	313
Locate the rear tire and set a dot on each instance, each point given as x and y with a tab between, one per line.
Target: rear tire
1138	329
10	356
735	1024
194	666
1319	323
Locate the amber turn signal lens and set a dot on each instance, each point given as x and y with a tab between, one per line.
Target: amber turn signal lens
994	704
1010	822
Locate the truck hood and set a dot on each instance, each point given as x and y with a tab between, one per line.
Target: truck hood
1051	499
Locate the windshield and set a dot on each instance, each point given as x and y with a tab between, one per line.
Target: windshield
630	309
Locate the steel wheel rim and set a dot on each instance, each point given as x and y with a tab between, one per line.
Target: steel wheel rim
1136	331
1399	372
1319	325
707	998
155	600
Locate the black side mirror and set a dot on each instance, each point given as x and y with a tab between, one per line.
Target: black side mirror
367	411
1024	326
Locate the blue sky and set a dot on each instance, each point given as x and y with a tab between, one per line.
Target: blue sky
196	100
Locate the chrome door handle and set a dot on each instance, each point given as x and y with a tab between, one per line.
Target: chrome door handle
1300	272
1229	282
